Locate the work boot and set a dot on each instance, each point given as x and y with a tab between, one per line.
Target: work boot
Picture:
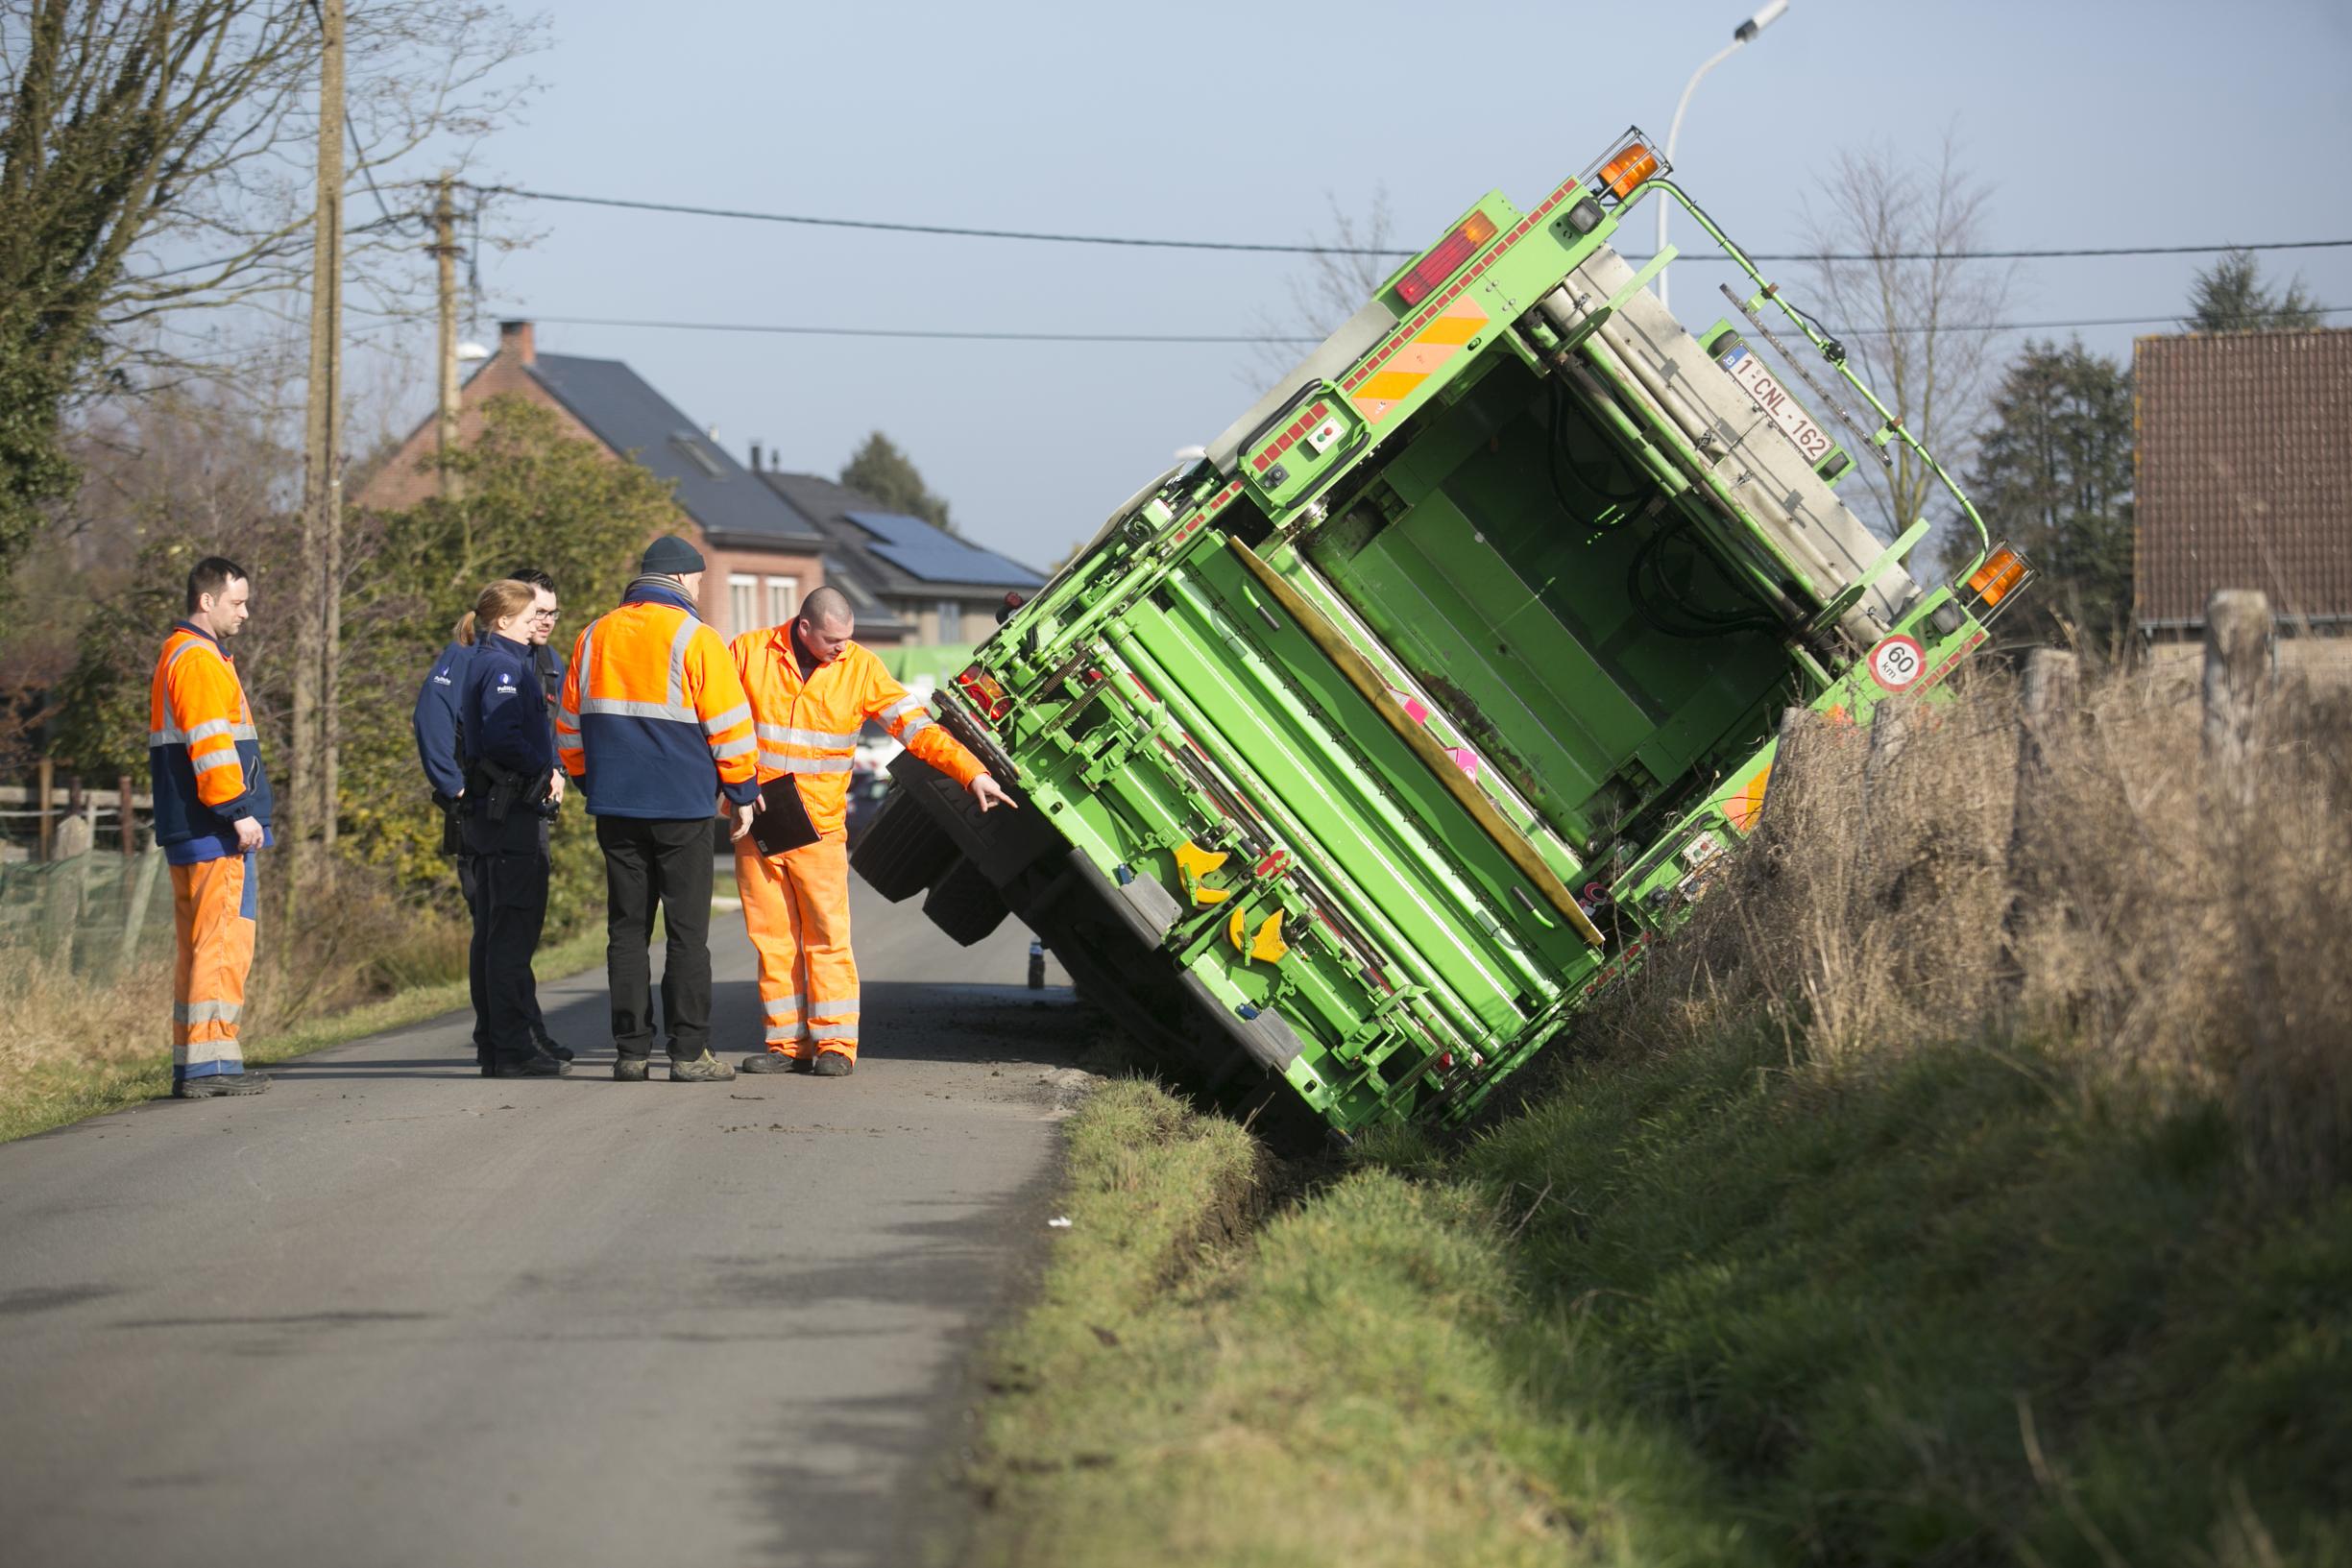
631	1069
214	1085
534	1066
703	1069
833	1064
771	1061
562	1053
492	1067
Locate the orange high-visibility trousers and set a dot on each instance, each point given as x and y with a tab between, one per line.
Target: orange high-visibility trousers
215	903
796	910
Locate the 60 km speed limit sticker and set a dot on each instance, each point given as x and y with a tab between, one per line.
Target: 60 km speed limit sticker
1898	661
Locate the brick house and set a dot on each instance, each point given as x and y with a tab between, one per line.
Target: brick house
2245	480
910	583
763	557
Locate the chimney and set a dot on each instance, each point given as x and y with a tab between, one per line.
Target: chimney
754	457
515	338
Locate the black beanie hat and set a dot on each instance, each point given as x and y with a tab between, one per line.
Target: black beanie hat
670	556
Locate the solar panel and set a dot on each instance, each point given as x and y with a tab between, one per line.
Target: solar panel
898	528
952	563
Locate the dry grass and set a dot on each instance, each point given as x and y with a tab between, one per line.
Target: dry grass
353	947
80	1039
2172	936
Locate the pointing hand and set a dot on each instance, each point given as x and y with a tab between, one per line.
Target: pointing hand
988	793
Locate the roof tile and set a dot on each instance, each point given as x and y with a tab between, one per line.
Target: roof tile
2244	453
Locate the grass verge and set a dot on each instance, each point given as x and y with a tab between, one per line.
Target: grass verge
1706	1310
1361	1380
58	1089
1953	1313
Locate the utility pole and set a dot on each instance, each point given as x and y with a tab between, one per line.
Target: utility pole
445	251
319	628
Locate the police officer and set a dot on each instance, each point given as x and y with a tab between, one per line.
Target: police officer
507	742
436	728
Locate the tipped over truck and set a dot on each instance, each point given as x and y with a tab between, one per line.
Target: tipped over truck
1355	755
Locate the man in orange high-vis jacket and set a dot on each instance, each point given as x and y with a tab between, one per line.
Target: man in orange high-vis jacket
812	690
653	723
212	811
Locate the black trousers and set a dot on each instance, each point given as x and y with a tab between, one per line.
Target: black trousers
510	908
468	882
646	862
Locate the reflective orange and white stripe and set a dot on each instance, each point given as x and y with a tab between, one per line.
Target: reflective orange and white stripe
1745	804
786	748
796	912
1402	368
209	688
215	906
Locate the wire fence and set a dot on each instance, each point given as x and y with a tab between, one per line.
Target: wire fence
33	812
87	908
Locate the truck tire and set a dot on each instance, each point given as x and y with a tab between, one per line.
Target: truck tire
903	850
964	903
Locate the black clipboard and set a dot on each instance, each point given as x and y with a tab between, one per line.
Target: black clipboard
783	820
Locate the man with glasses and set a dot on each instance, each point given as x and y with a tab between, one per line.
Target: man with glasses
438	748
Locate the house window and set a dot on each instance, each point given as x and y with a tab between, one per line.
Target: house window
783	599
742	603
951	620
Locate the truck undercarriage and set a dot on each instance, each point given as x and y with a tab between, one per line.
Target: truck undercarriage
1355	755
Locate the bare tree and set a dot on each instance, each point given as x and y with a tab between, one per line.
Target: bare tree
1360	252
1911	313
153	156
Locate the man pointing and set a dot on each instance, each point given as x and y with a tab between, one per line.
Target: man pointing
812	690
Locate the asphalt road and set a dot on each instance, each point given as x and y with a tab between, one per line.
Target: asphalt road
393	1312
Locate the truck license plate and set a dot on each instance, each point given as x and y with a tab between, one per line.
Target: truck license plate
1774	400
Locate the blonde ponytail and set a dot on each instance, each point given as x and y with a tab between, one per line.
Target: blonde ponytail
497	602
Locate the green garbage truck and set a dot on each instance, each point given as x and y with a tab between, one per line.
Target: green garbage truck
1357	753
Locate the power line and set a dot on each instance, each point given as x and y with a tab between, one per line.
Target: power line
1135	242
953	335
942	335
937	229
2038	326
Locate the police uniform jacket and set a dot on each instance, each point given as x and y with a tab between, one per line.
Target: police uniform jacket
435	721
503	719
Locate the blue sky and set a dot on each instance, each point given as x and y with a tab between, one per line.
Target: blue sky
2095	124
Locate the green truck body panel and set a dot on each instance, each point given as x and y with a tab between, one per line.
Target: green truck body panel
1389	731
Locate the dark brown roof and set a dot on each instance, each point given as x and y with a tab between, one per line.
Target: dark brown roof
2244	473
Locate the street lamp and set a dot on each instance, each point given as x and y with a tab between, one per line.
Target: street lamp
1767	14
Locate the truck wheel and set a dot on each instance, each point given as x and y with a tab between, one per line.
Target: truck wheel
902	850
964	903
